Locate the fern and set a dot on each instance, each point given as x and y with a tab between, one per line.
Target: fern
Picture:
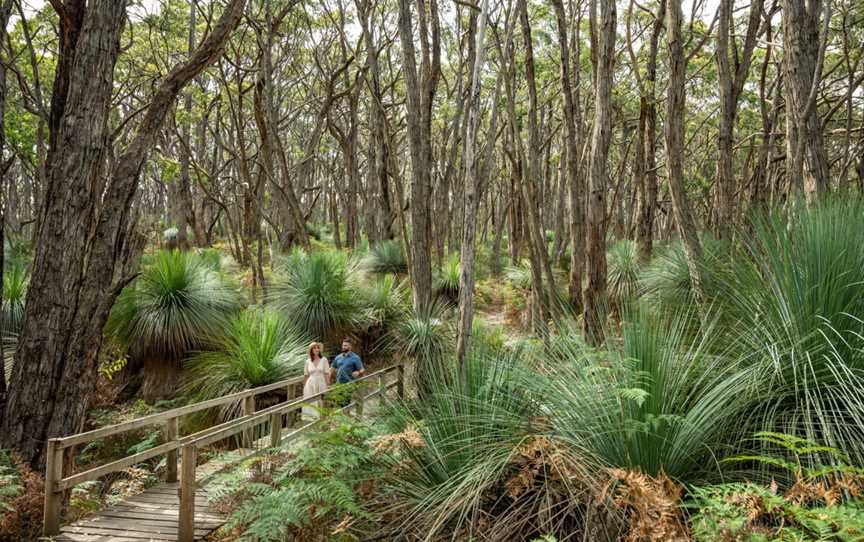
307	491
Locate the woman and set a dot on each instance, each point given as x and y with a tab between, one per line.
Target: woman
316	378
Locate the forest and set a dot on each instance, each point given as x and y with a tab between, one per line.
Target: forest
430	270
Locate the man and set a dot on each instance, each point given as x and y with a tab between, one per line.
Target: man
347	365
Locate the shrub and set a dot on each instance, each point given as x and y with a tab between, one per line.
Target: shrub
257	348
177	304
15	282
315	494
472	462
427	339
750	512
386	257
21	498
623	278
447	280
660	401
386	305
793	307
316	293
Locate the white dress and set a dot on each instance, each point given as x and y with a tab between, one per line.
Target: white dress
316	383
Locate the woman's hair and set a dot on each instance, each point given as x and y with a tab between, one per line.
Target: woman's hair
312	346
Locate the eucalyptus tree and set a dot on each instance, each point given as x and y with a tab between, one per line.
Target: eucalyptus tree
79	250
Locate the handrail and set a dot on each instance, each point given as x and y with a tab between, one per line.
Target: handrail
58	448
273	415
152	419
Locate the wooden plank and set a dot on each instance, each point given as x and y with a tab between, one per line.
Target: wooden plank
166	515
124	532
107	468
142	524
162	533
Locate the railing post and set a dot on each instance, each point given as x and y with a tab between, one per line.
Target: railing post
171	433
291	417
361	399
275	429
400	381
186	519
53	497
248	410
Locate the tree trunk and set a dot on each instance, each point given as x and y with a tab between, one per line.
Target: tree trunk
573	143
420	90
803	54
675	109
604	60
473	192
731	76
72	287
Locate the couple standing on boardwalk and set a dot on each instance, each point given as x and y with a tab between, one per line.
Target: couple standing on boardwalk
318	373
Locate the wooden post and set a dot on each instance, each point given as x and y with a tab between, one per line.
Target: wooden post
248	410
361	398
53	497
275	429
291	416
171	433
186	520
400	381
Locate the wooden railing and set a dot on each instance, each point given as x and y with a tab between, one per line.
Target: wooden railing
56	483
272	416
59	449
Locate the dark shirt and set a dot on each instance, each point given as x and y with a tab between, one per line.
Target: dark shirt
345	364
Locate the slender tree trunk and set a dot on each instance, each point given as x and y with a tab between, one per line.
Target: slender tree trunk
732	73
803	55
420	90
573	144
473	192
604	60
675	109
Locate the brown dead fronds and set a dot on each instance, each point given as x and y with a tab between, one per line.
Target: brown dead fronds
651	505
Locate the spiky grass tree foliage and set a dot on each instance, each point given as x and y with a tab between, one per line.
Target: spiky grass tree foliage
257	348
474	462
386	305
519	275
317	293
666	279
660	401
176	305
15	280
428	339
447	280
794	307
624	270
386	257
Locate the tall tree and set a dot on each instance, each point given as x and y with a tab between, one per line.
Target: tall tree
731	73
75	280
573	143
420	89
472	194
803	55
675	109
645	164
603	60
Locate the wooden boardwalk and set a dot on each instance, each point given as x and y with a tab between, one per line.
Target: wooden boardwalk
153	514
180	508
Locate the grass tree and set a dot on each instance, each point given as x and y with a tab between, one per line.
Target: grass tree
257	348
178	304
386	257
317	293
794	308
